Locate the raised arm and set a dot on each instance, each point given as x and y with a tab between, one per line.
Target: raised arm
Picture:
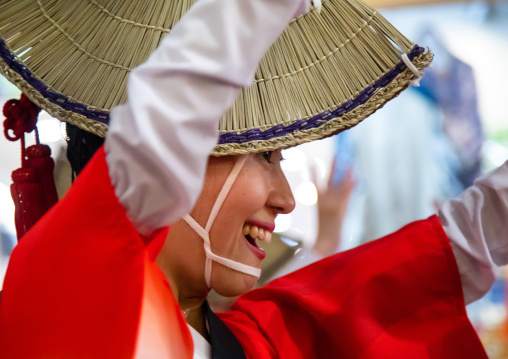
158	143
477	225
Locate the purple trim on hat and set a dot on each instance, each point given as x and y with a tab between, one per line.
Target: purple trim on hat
52	96
322	118
229	137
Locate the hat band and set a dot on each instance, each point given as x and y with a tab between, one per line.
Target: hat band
320	119
52	96
102	116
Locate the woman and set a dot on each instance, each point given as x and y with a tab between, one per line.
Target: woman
94	290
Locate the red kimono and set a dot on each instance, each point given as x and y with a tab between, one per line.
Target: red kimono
83	284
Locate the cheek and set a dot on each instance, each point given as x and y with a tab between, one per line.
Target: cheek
248	196
242	203
182	256
250	202
251	191
240	206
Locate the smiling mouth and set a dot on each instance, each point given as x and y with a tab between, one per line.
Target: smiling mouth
253	232
251	240
259	252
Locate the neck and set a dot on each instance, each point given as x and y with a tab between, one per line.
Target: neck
195	318
192	309
190	301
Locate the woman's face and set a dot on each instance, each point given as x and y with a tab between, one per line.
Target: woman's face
258	195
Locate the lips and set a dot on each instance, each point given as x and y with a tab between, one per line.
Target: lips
251	242
257	231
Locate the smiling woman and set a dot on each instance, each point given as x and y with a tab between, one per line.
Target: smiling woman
259	193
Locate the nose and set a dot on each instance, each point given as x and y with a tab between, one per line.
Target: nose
281	197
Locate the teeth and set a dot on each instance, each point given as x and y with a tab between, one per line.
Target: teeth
257	233
254	231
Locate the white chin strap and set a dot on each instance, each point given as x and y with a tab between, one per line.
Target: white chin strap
205	232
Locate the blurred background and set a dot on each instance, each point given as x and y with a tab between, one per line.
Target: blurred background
406	160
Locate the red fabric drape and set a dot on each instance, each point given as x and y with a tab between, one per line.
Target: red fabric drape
82	281
397	297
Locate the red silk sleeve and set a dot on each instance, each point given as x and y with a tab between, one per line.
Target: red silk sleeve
397	297
83	284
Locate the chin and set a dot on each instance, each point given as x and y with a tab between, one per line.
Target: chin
233	284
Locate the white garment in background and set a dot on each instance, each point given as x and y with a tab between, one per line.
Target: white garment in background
404	164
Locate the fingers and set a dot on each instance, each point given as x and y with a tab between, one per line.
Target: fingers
348	182
331	177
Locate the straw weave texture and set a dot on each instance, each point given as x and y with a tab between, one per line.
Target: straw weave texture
83	50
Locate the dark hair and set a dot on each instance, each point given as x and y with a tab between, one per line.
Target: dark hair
81	146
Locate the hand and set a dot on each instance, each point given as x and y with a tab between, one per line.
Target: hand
332	205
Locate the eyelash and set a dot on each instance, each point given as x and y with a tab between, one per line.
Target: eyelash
267	155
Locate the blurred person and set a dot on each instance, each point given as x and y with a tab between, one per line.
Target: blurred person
332	203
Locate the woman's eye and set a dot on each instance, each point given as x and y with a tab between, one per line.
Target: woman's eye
267	156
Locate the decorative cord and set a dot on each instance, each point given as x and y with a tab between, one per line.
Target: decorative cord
419	74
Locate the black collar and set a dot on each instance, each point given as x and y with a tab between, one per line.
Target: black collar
224	343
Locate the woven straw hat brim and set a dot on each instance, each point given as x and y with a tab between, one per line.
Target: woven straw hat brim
326	73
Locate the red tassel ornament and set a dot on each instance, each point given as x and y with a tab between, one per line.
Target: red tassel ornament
33	190
26	194
38	157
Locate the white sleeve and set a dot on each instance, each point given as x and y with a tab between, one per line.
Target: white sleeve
158	143
477	225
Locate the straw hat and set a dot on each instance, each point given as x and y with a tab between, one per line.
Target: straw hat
326	73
